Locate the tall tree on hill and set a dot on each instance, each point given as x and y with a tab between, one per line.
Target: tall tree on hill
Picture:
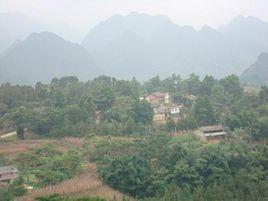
192	84
203	112
232	86
207	85
153	85
143	112
263	94
20	119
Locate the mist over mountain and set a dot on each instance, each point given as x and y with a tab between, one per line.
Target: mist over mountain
139	45
16	26
248	37
143	45
257	73
42	56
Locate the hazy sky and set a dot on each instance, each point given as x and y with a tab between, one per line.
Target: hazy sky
83	14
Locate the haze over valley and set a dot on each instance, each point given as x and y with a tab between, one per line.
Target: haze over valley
125	46
133	100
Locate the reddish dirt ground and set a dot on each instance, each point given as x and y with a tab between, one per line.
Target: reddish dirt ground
10	149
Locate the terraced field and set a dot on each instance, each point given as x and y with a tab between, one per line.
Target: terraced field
86	183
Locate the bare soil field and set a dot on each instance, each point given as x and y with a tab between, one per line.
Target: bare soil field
78	142
10	149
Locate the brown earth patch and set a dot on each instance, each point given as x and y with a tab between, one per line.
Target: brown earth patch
10	149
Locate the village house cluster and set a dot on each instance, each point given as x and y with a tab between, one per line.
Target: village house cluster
163	106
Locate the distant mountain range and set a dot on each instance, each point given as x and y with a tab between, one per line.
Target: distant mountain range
140	44
137	45
43	56
257	73
16	26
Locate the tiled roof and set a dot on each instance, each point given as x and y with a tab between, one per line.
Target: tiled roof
8	169
214	128
8	177
157	95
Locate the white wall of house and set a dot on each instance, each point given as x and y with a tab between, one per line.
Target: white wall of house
175	110
167	98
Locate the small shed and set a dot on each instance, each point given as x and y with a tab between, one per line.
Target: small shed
8	173
212	133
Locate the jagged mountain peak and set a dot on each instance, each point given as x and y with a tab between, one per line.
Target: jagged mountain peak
257	73
42	56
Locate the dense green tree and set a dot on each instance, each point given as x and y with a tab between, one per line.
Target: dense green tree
219	99
192	84
41	91
170	125
207	85
203	112
263	94
103	98
249	121
187	123
143	113
128	174
232	86
17	188
14	96
6	195
3	109
263	126
173	84
128	88
21	118
153	85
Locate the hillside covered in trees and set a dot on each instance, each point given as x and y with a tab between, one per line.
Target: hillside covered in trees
135	155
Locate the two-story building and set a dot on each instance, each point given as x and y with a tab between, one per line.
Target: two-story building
162	112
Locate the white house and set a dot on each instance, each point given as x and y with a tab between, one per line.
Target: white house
175	109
